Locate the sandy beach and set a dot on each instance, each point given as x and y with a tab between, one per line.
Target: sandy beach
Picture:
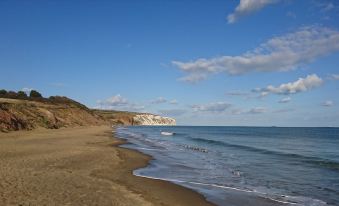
79	166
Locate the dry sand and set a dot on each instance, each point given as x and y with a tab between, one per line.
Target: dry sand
79	166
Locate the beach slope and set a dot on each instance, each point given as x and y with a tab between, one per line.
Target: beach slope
79	166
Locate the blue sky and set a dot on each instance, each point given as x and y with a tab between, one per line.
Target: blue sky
221	62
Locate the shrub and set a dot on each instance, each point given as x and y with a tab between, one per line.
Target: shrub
11	95
3	93
35	94
22	95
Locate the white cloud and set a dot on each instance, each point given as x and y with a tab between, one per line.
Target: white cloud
174	101
264	93
283	53
327	103
285	100
27	90
334	76
237	111
257	110
301	85
212	107
159	100
193	77
237	93
116	100
247	7
291	14
327	6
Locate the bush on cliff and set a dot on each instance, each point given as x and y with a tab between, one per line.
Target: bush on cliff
11	95
35	94
22	95
3	92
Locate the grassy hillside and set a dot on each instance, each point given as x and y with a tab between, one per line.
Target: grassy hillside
18	114
19	111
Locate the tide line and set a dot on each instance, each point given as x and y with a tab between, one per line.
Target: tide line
218	186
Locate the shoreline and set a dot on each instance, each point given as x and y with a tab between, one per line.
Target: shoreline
179	190
78	166
232	196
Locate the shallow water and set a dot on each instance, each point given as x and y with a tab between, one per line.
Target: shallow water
244	165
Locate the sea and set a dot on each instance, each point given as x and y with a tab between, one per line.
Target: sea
243	165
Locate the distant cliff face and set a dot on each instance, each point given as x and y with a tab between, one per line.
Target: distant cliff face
150	119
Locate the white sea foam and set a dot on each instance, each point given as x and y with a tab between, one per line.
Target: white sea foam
149	149
302	201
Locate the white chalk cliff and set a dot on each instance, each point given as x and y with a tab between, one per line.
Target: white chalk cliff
150	119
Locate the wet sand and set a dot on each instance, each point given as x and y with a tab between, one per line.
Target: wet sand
79	166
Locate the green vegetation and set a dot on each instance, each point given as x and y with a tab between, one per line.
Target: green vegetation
22	95
11	95
19	94
3	92
35	94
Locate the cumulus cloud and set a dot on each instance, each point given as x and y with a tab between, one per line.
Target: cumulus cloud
285	100
301	85
247	7
27	89
291	14
327	6
212	107
237	111
237	93
282	53
118	102
327	103
257	110
159	100
174	101
334	76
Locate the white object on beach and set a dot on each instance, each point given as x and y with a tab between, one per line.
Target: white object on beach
167	133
